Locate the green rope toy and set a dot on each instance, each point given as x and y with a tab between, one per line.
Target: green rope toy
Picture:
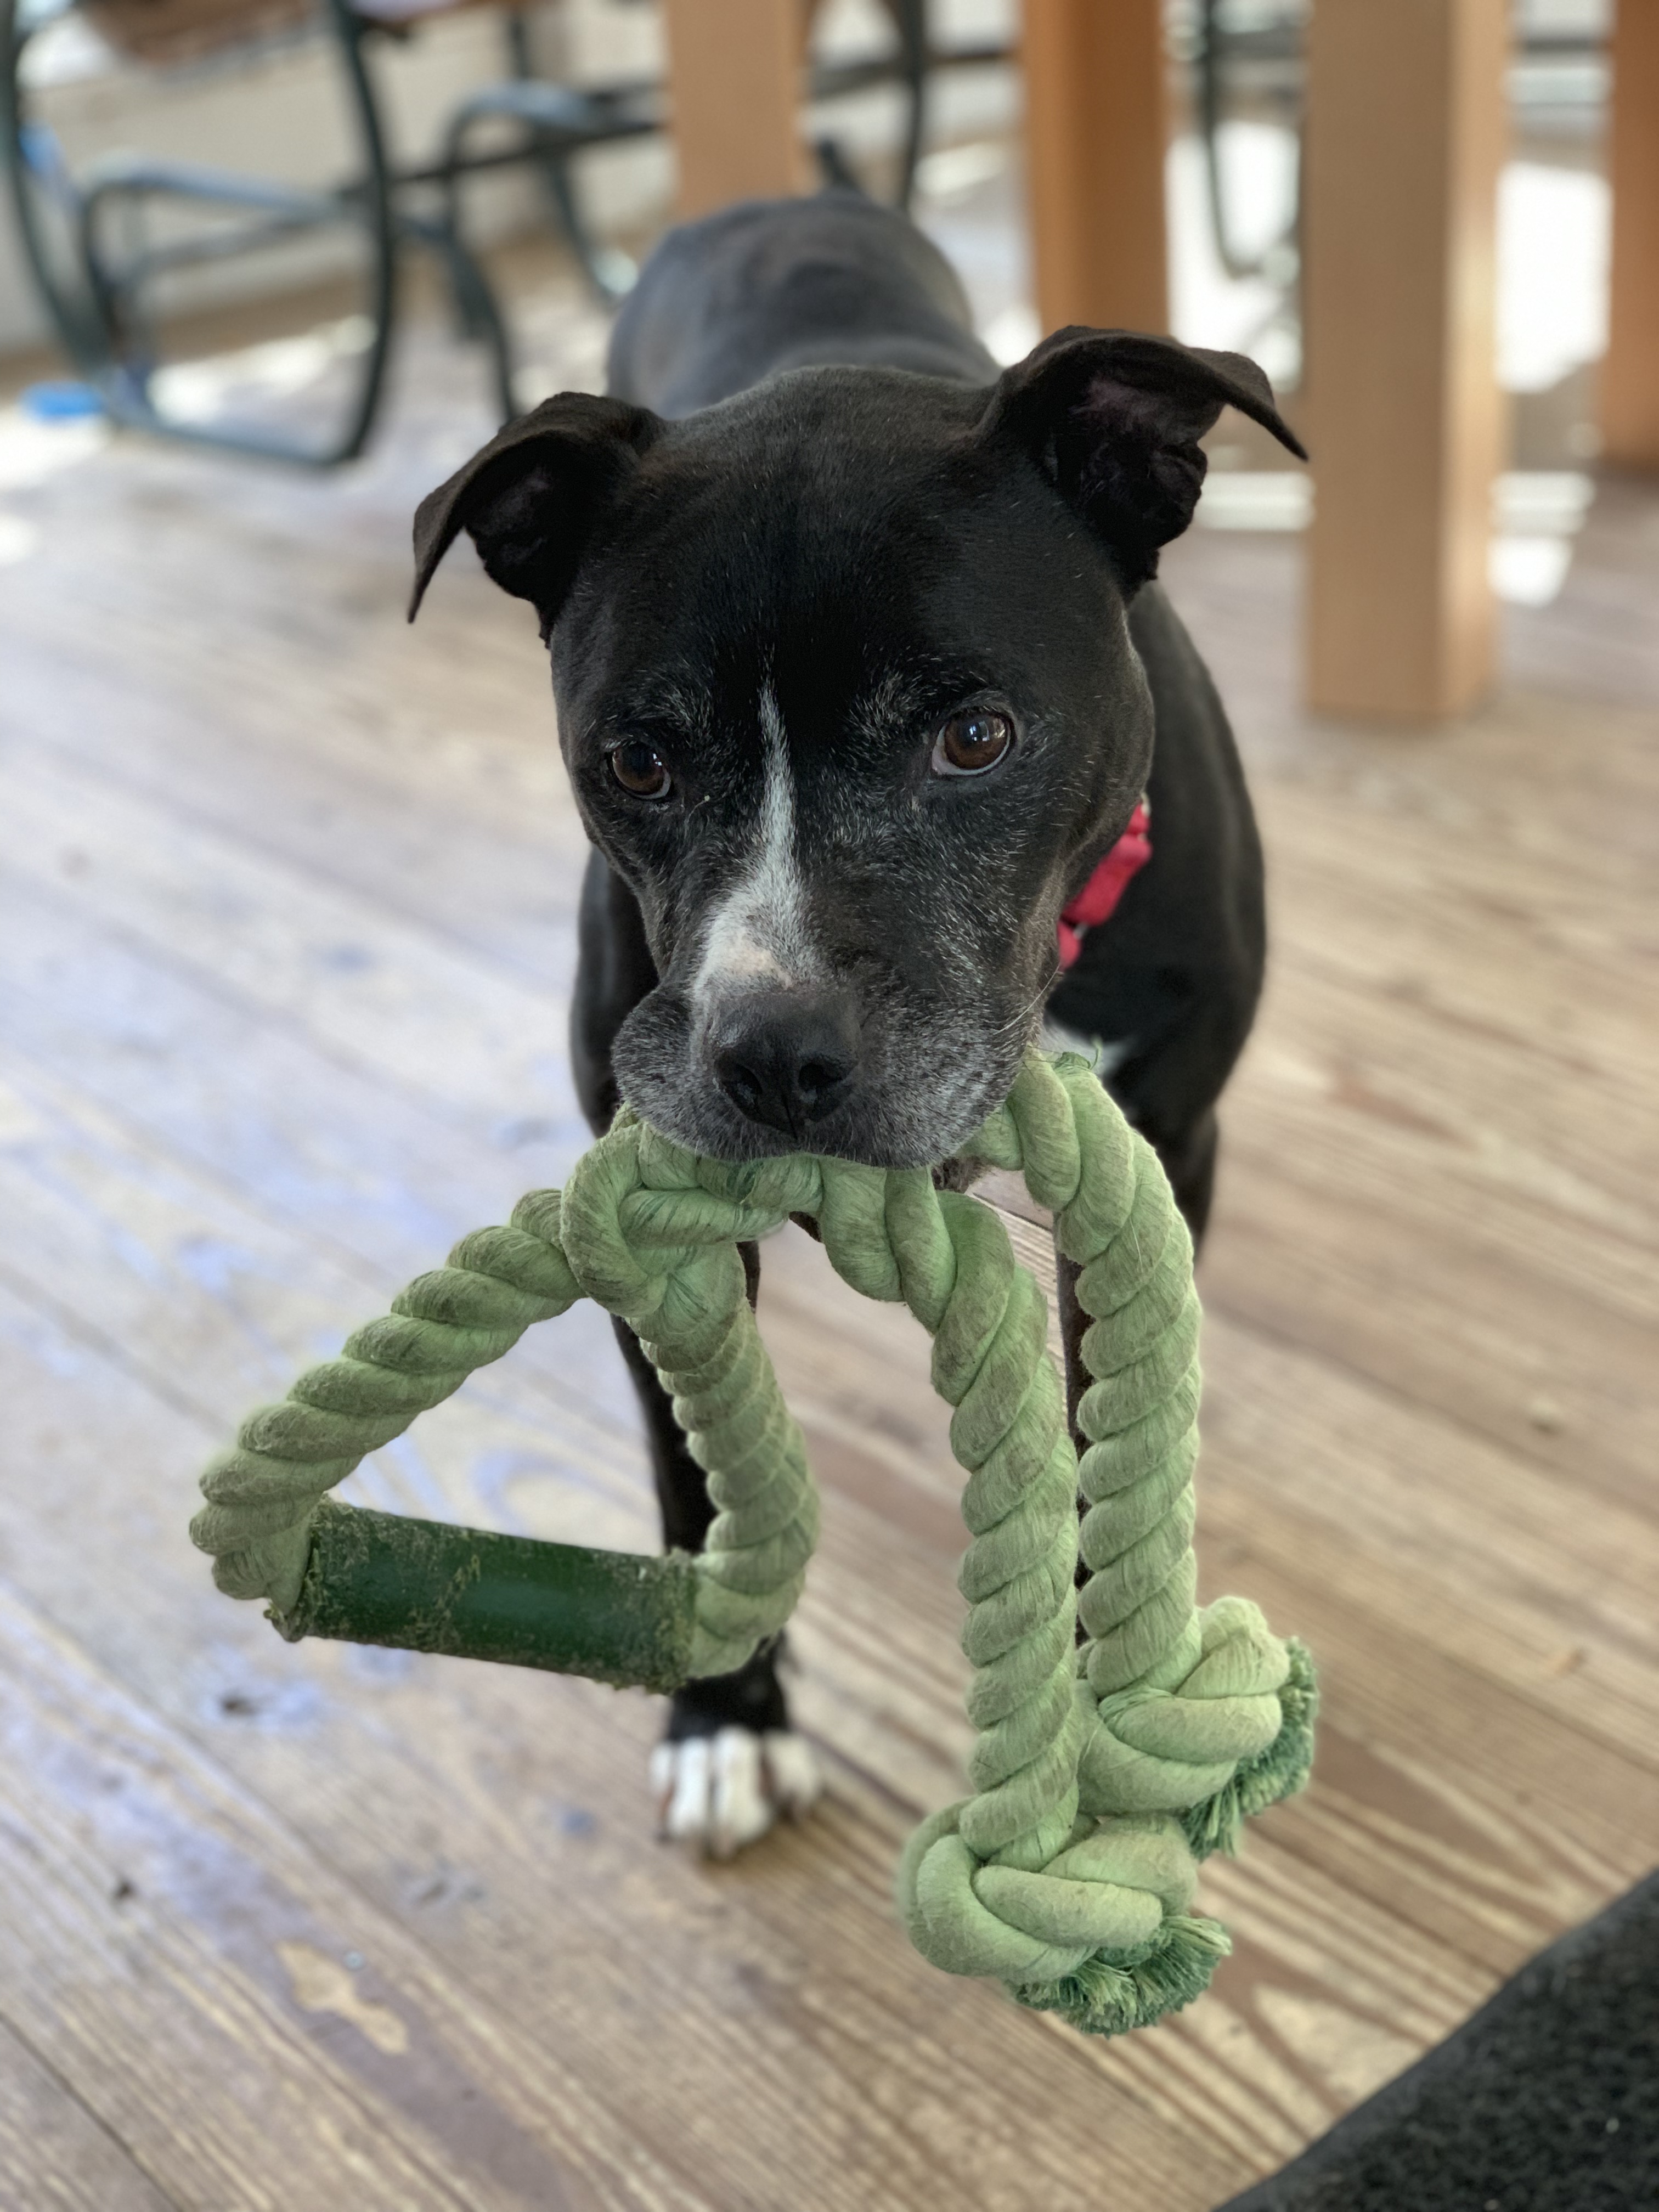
1107	1764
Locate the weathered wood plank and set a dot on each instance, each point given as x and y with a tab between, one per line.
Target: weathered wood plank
1342	1230
1493	1549
379	993
358	762
217	1309
1509	976
54	2156
232	2011
362	1167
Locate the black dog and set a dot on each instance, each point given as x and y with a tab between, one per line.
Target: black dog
859	663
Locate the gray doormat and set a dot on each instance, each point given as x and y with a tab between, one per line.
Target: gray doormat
1547	2101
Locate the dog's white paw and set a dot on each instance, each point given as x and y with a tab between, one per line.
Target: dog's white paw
722	1791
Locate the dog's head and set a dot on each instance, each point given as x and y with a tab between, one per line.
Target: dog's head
847	693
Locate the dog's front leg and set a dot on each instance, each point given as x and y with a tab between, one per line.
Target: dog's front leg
729	1763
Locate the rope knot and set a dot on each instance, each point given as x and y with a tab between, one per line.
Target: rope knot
1181	1723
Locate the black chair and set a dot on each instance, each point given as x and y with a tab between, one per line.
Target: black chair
90	240
98	248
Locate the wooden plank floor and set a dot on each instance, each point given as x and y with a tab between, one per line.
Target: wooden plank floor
288	894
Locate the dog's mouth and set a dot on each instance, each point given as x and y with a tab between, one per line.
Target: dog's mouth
915	1090
867	1133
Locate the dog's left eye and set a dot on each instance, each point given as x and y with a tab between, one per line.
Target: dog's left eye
641	769
969	744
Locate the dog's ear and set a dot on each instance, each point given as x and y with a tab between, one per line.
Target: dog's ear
528	498
1114	419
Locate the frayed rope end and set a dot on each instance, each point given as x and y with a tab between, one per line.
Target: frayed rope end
1217	1825
1114	1991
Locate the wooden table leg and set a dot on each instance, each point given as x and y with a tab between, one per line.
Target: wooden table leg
1630	373
734	78
1095	130
1404	136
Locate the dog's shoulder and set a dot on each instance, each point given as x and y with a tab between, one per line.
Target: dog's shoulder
768	285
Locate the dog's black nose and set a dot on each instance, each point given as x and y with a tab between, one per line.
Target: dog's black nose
786	1058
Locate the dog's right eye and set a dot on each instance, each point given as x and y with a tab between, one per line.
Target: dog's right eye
641	769
970	743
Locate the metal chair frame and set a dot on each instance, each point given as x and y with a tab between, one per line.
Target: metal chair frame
100	318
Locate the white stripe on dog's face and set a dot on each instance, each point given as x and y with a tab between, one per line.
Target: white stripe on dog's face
757	934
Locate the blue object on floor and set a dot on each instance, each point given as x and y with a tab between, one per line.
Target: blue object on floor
63	400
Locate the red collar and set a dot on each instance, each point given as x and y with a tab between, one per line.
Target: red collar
1098	898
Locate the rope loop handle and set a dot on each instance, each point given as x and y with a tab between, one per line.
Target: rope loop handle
1122	1733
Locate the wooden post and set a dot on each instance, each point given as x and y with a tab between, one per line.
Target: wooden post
1630	373
1095	130
1405	134
734	72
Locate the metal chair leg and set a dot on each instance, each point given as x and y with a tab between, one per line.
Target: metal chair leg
477	310
98	322
610	273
